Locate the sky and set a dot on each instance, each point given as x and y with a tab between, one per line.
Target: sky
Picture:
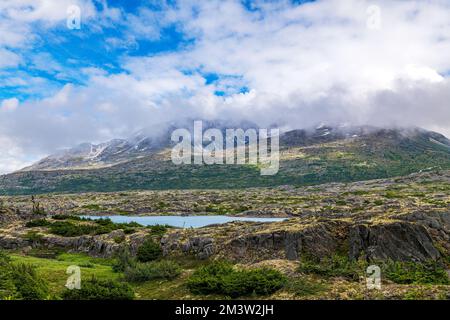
131	64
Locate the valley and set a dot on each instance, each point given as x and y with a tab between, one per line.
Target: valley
332	232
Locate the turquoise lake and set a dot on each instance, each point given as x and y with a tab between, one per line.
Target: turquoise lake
183	221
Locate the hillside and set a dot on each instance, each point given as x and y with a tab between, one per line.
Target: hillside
332	233
306	158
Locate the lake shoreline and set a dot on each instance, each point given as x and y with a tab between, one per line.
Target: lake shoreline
178	214
197	221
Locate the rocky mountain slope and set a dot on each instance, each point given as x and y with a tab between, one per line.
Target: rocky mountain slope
88	155
403	219
143	143
306	157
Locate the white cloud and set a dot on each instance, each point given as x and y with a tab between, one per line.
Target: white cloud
8	59
301	64
9	104
48	11
12	156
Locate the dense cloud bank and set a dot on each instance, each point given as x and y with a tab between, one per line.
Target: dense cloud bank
272	63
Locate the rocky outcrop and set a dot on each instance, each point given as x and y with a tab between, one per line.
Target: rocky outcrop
201	247
12	242
7	216
393	239
100	245
319	240
399	241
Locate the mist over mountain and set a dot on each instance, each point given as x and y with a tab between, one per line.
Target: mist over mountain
292	63
307	157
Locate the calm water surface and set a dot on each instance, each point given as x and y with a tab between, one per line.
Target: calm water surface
183	221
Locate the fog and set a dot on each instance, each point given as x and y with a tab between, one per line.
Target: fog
278	64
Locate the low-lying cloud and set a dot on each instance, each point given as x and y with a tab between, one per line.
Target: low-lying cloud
274	63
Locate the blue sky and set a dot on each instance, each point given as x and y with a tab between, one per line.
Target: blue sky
135	64
88	47
57	54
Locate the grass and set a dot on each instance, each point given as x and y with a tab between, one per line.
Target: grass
305	287
319	285
164	289
54	270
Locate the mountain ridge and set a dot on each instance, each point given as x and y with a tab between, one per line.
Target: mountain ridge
307	157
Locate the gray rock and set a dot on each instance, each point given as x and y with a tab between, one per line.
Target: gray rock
400	241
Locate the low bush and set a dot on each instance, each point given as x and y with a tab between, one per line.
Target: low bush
221	278
141	272
29	285
301	287
20	281
149	251
73	226
37	223
7	287
158	229
106	226
95	289
335	266
33	236
123	260
69	229
119	239
92	227
67	217
429	272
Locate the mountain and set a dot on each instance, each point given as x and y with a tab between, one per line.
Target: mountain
307	157
143	143
91	156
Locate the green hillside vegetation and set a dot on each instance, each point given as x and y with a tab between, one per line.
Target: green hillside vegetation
379	155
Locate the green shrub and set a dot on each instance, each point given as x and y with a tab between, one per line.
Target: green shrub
66	228
106	226
33	236
67	217
257	281
95	289
429	272
69	229
37	223
378	202
119	239
415	294
302	287
93	206
209	279
27	283
123	260
222	278
158	229
335	266
390	194
7	287
141	272
149	251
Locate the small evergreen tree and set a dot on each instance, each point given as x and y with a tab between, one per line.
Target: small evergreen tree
149	251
